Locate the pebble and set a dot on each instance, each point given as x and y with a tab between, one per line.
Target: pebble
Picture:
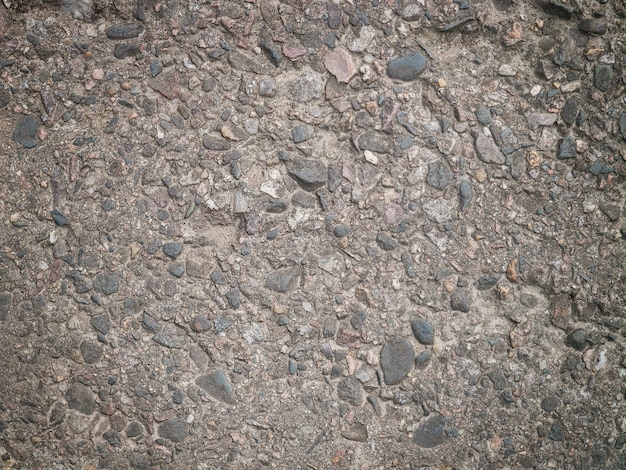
294	51
166	83
385	242
212	142
555	7
461	299
200	323
577	339
283	280
107	284
156	67
134	429
174	430
339	62
341	231
431	432
124	31
593	25
487	150
396	360
602	77
483	115
306	87
569	111
423	331
506	70
412	12
408	67
423	359
172	249
26	130
375	142
124	51
465	194
439	175
566	148
81	398
217	385
622	124
300	134
233	298
334	15
267	88
487	282
550	403
541	119
309	174
101	323
59	218
233	132
349	390
176	270
91	352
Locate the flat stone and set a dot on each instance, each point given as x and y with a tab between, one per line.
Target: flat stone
396	360
622	124
506	70
357	432
339	62
431	432
284	280
602	77
483	115
439	175
234	299
217	385
465	194
577	339
301	134
341	231
91	351
566	148
172	249
124	51
150	323
461	299
569	111
59	218
213	142
174	430
25	132
81	398
349	390
487	150
233	132
6	301
541	119
423	331
134	429
171	336
101	323
556	8
593	25
385	242
612	211
550	403
200	323
375	142
407	68
422	360
166	83
487	282
309	174
107	284
124	31
294	51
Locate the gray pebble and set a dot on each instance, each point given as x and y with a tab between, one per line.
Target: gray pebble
483	115
173	430
200	323
375	142
176	270
396	360
134	429
233	298
423	359
300	134
439	175
465	194
309	174
577	339
101	323
487	282
569	111
593	25
566	148
211	142
172	249
602	77
91	352
385	242
423	331
349	390
407	68
461	299
124	31
81	398
217	385
107	284
283	280
124	51
550	403
25	132
341	231
431	432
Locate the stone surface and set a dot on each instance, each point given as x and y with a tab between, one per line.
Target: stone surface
172	249
218	386
602	77
461	300
107	283
6	301
396	360
166	83
375	142
593	25
349	390
407	67
569	111
124	30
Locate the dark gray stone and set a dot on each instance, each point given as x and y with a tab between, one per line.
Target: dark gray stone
349	390
217	385
423	359
622	124
283	280
176	270
59	218
385	242
439	175
461	299
107	284
212	142
309	174
101	323
556	431
25	132
487	150
124	30
483	115
431	433
593	25
134	429
566	148
612	211
81	399
602	77
91	352
550	403
300	134
556	8
465	194
577	339
375	142
172	249
357	320
6	300
341	231
569	111
150	323
112	438
200	324
396	360
173	430
407	68
124	51
171	336
234	299
487	282
423	331
498	378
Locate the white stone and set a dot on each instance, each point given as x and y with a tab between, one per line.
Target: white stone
506	70
370	157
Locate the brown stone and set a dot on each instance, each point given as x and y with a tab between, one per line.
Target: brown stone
562	311
166	83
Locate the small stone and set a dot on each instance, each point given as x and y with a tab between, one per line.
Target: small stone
550	403
423	331
26	130
212	142
200	324
483	115
423	359
341	231
167	84
91	352
593	25
156	67
124	51
566	148
294	51
334	15
300	134
569	111
124	31
506	70
562	311
81	398
309	174
555	7
612	211
176	270
439	175
412	12
217	385
171	336
487	150
431	433
461	299
339	63
487	282
602	77
577	339
357	433
385	242
267	88
394	214
349	390
234	299
541	119
134	429
407	68
233	132
512	270
59	218
283	280
172	249
622	124
101	323
6	300
306	87
174	430
375	142
465	194
107	284
396	360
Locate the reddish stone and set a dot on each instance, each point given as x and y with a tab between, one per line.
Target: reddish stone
339	62
166	83
293	51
